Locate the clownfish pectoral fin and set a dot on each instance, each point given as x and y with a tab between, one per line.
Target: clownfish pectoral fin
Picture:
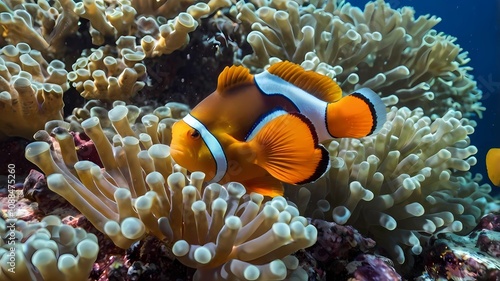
233	76
493	165
286	146
266	185
357	115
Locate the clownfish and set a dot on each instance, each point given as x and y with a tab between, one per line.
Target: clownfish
493	165
264	129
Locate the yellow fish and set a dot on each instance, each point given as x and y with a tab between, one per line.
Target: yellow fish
493	165
264	129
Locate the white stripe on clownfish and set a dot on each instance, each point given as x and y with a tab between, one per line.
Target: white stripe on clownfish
312	107
307	104
213	145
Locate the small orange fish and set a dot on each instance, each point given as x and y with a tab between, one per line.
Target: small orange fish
264	129
493	165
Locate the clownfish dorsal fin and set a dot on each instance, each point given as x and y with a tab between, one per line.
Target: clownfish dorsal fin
320	86
233	76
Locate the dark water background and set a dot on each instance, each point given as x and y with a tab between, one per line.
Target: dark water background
476	24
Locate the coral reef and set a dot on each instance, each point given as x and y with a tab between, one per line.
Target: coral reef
110	73
43	27
236	236
244	241
48	250
104	77
405	188
152	258
156	122
381	48
115	70
164	24
402	185
47	26
31	90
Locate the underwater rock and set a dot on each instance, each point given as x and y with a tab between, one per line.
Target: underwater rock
342	240
342	253
34	185
472	257
490	222
310	265
372	268
48	202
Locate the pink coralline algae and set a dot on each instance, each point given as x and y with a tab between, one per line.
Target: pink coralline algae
367	267
490	222
85	148
472	257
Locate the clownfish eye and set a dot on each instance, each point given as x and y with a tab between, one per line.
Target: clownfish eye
195	134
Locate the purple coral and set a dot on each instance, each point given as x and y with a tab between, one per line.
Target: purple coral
85	148
373	268
337	242
342	252
490	222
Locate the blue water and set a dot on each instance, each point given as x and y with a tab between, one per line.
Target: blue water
477	27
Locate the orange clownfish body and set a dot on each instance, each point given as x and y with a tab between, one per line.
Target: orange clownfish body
264	129
493	165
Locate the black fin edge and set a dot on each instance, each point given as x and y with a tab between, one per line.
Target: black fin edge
324	163
371	106
322	167
262	117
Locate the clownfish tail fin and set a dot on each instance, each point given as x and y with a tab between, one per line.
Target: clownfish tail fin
357	115
286	146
